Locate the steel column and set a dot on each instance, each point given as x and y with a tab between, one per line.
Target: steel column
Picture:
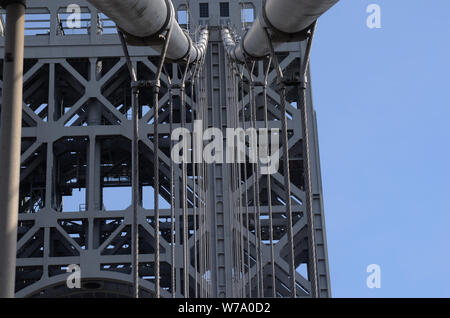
10	136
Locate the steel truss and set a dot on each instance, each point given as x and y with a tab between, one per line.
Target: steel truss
77	133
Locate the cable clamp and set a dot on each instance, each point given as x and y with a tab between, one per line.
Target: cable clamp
145	84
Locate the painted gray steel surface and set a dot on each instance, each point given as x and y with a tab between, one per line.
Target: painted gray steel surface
67	145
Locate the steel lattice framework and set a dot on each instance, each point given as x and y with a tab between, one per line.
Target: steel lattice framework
77	135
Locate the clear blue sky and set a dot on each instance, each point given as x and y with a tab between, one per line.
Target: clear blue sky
383	102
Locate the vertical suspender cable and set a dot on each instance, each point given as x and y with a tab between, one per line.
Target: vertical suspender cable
237	185
230	196
134	167
209	203
202	206
247	214
307	164
204	114
269	185
184	205
135	163
235	181
201	189
156	87
203	231
184	188
183	200
239	95
256	211
207	214
231	189
194	179
204	185
251	143
172	193
172	197
239	188
258	201
286	169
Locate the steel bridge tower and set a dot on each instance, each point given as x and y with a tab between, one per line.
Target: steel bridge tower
77	141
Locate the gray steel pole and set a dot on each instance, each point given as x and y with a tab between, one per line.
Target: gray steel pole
10	134
135	190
